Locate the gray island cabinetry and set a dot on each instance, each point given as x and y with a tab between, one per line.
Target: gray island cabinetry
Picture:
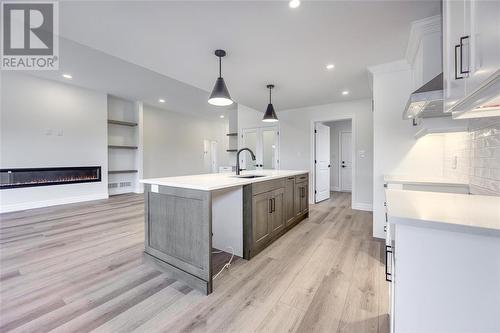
187	217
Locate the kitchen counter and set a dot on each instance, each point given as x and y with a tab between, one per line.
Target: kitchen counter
449	211
217	181
410	179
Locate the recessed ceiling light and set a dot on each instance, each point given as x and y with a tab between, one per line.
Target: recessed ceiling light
161	100
294	3
221	116
330	66
345	92
67	76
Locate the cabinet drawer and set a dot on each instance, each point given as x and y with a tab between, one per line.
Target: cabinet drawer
301	178
267	186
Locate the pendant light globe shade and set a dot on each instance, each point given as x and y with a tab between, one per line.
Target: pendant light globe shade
270	115
220	95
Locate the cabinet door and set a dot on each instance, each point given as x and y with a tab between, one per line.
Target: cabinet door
289	200
453	29
261	206
484	17
304	200
296	199
277	217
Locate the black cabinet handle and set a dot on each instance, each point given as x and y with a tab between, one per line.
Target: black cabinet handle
456	63
388	276
270	204
273	204
462	71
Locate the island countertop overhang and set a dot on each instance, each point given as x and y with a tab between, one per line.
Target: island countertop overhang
217	181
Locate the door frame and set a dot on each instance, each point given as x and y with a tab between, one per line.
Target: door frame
341	189
312	142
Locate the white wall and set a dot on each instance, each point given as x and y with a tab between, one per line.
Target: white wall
296	142
395	149
173	143
50	124
335	128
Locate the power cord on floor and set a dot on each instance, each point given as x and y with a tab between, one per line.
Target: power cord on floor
228	264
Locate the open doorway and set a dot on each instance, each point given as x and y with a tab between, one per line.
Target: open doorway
333	158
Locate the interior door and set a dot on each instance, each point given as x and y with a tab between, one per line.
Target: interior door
264	142
213	156
269	158
250	140
322	162
346	161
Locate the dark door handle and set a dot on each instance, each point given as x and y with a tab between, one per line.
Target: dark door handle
329	166
462	71
343	166
388	276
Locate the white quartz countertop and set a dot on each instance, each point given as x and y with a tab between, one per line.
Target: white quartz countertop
447	211
217	181
412	179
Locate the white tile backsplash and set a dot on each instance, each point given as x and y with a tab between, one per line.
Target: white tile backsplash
485	156
474	157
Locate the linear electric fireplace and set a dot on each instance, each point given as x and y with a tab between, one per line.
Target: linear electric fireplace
13	178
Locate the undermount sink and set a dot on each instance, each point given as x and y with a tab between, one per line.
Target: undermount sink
249	176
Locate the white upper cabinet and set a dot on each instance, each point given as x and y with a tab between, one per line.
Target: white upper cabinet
484	41
454	28
471	58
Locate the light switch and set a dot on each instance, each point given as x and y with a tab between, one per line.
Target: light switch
362	153
154	188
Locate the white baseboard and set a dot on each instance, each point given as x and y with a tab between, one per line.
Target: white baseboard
362	206
334	188
52	202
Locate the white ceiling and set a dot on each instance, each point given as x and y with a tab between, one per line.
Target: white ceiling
99	71
266	42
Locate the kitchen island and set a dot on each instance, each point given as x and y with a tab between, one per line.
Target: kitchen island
187	217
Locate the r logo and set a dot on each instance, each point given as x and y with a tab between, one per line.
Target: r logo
28	29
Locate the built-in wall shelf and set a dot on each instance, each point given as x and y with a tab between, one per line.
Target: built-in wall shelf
232	150
121	122
121	171
232	134
121	147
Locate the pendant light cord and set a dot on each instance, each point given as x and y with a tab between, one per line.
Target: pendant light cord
270	95
220	66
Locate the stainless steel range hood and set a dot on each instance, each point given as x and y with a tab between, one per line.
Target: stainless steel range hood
427	101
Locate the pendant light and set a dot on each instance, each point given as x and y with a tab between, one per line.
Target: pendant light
220	95
270	115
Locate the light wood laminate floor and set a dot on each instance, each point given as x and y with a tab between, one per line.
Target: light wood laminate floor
79	268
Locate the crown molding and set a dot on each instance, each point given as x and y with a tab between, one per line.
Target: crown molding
418	30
